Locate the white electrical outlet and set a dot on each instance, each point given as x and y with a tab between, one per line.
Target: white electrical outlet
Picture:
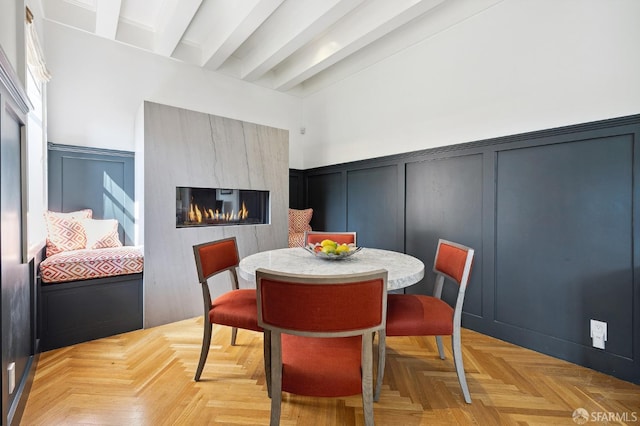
11	377
598	333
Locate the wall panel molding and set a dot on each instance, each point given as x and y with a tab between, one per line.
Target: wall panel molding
11	82
100	179
89	150
553	216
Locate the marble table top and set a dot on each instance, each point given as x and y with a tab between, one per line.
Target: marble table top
404	270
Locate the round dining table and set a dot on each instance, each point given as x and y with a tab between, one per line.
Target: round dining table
403	269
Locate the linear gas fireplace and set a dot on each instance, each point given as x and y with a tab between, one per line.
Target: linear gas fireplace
220	207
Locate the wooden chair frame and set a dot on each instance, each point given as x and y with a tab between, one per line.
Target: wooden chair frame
273	334
206	296
457	312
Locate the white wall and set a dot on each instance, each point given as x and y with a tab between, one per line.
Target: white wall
12	31
519	66
8	30
12	41
99	85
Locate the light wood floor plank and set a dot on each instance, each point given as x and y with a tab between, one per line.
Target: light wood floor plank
146	378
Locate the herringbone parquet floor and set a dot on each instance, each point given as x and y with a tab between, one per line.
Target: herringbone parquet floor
146	378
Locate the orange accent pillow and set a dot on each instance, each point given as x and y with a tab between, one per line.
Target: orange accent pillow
299	220
101	233
64	232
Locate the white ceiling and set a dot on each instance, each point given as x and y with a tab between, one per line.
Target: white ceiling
294	46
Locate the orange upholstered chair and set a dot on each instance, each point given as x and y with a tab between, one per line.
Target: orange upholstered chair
313	237
319	334
419	315
235	308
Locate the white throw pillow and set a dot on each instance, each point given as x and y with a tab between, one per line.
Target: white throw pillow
101	233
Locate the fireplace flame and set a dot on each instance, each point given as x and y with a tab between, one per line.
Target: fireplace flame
200	215
195	215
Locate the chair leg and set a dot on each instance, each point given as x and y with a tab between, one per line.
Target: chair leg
367	378
234	333
276	378
457	359
206	342
440	347
276	400
382	353
266	348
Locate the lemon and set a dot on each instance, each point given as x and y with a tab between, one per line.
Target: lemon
328	249
343	248
329	243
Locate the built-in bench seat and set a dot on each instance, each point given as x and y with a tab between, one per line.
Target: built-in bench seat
90	285
89	294
85	264
78	311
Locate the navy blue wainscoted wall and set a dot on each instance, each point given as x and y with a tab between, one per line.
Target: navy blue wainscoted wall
100	179
296	189
550	214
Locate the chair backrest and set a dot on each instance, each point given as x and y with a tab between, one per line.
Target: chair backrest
215	257
322	306
314	237
453	261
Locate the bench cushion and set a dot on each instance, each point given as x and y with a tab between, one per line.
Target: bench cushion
92	263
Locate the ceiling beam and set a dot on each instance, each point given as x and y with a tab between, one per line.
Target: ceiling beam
175	17
367	24
225	40
289	29
447	15
107	17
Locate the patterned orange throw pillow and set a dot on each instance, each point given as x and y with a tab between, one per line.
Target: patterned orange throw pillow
299	220
64	232
101	233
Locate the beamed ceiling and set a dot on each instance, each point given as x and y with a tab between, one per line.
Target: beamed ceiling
295	46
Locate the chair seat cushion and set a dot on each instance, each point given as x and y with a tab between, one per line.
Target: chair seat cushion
418	315
321	366
236	308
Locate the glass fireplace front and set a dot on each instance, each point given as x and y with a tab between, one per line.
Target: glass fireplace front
220	207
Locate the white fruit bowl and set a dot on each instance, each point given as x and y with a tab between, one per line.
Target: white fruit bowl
311	248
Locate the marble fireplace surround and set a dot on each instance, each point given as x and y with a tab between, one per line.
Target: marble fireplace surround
182	148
